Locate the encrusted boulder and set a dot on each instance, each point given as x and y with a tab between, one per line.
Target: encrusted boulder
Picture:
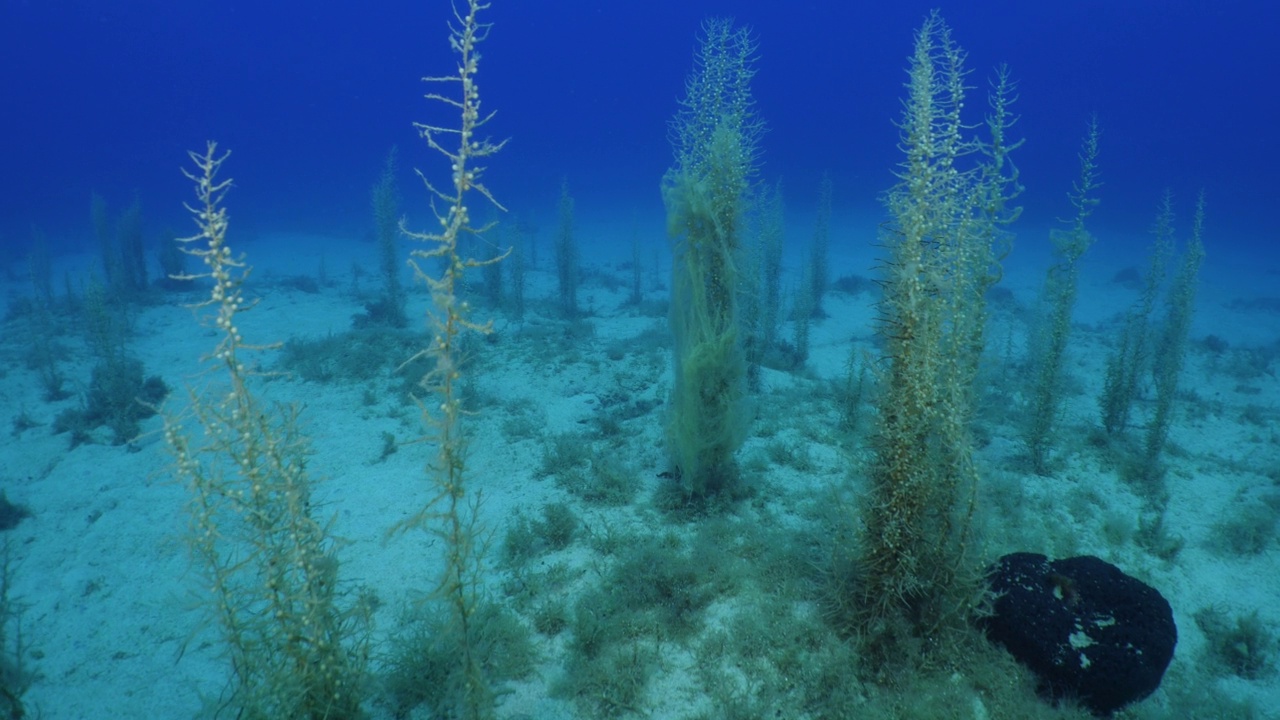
1088	631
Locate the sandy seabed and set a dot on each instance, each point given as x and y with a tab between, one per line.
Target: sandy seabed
112	607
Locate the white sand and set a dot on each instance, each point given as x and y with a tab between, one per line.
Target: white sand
110	598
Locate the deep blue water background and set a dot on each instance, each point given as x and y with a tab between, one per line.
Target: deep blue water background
107	97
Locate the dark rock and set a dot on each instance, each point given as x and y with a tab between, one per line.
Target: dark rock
1089	632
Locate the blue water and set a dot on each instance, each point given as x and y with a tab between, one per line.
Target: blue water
108	96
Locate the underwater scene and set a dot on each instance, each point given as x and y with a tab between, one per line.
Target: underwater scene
702	360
